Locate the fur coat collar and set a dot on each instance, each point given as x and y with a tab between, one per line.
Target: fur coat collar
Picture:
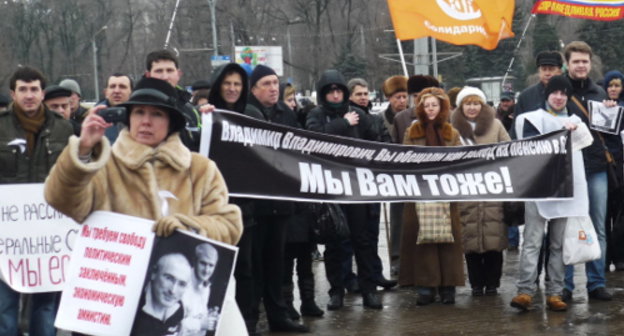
484	122
171	152
417	131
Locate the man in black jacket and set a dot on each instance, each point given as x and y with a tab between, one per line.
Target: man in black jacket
578	59
163	64
272	217
31	139
358	88
549	64
335	116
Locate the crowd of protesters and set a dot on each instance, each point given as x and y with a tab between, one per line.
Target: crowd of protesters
95	160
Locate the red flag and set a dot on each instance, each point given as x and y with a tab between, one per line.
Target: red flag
601	10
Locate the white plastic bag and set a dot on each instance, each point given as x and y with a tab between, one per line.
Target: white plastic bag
580	243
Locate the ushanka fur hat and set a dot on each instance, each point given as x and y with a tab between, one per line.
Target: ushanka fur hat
394	84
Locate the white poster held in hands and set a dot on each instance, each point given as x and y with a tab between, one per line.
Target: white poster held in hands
110	258
605	119
35	240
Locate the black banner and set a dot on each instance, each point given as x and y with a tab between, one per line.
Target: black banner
270	161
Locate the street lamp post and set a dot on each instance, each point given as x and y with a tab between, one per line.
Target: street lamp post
297	20
213	18
95	66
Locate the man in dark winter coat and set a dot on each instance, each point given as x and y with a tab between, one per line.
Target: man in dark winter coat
335	116
578	59
505	110
78	112
117	91
31	138
230	88
549	64
613	83
163	64
358	88
272	217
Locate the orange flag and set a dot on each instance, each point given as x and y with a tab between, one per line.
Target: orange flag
601	10
461	22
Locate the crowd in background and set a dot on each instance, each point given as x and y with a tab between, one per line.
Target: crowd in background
275	237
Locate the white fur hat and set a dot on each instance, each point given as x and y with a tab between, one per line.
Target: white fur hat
469	91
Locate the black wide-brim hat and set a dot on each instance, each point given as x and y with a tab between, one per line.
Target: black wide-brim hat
159	93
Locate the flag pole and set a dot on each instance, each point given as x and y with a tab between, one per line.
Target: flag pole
402	57
513	57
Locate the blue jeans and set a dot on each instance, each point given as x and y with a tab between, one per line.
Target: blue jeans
597	188
513	233
43	313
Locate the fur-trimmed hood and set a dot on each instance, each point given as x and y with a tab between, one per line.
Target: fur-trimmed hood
484	122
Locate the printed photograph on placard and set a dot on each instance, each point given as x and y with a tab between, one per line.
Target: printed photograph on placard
605	119
185	286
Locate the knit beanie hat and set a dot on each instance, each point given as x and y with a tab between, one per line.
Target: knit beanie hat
71	85
469	91
394	84
260	71
558	83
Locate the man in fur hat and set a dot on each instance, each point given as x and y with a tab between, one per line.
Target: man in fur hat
395	90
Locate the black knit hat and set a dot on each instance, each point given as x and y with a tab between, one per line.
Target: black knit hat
558	83
55	91
258	72
549	58
156	92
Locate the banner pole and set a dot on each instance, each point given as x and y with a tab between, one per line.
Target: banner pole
388	242
402	57
513	57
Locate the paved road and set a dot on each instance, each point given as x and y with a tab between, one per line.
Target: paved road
470	316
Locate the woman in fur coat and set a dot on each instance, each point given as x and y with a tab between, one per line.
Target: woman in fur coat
435	266
148	172
484	231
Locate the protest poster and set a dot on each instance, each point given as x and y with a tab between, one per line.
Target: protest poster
121	274
35	240
605	119
103	287
189	274
253	154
